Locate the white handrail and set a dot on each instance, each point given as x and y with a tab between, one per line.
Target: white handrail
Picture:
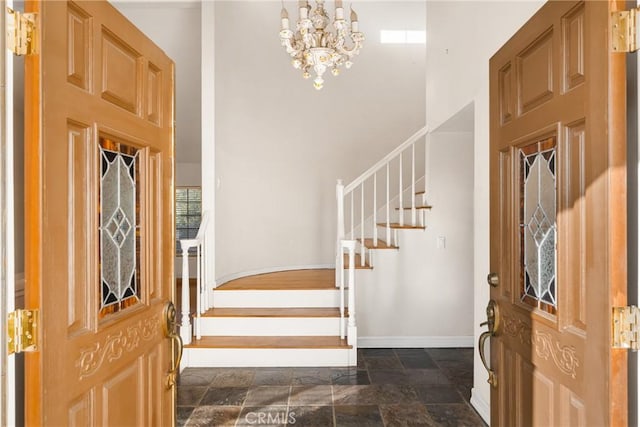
345	237
202	296
386	159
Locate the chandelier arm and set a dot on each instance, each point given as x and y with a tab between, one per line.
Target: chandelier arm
357	45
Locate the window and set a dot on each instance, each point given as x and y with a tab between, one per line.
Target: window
188	213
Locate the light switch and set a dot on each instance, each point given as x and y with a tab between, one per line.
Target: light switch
441	242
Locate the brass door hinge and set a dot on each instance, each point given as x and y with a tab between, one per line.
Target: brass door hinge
22	331
21	35
625	331
624	33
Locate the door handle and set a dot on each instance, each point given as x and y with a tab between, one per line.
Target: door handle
170	327
493	323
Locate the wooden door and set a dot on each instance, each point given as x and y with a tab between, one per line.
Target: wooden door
558	220
99	234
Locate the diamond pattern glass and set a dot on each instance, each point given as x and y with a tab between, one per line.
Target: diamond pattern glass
538	229
119	226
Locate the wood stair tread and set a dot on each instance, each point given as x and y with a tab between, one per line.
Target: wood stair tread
417	207
402	227
368	243
317	279
358	263
273	312
421	192
270	342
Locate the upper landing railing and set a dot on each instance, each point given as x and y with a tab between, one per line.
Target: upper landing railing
366	187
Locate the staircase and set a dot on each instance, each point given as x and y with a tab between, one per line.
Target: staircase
288	318
306	317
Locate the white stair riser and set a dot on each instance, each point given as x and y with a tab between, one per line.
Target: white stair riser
277	298
263	357
270	326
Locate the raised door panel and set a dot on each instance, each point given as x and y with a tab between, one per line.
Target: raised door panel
535	73
81	184
121	72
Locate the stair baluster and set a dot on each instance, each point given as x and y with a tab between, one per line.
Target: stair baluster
342	192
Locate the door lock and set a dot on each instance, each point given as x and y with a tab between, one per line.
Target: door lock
170	327
493	280
493	324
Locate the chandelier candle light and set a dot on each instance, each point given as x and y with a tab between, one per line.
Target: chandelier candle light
312	46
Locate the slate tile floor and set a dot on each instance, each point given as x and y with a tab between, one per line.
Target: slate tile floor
389	387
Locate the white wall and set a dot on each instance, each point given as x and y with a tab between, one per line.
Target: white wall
188	174
175	28
458	72
422	296
461	37
281	145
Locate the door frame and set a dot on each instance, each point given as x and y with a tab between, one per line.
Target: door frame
7	238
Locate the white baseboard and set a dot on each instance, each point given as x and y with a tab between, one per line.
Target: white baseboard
481	405
229	277
416	341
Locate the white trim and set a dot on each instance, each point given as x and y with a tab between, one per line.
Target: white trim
278	298
416	341
208	142
269	326
229	277
267	357
481	405
7	236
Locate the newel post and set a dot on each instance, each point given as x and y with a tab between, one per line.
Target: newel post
352	329
185	324
339	231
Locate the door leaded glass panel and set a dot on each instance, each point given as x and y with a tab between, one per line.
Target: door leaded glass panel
538	229
119	226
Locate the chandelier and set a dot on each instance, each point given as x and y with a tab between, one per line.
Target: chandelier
313	45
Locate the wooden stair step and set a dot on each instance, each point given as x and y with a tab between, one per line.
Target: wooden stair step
417	207
271	342
284	280
397	226
420	193
273	312
368	243
358	263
